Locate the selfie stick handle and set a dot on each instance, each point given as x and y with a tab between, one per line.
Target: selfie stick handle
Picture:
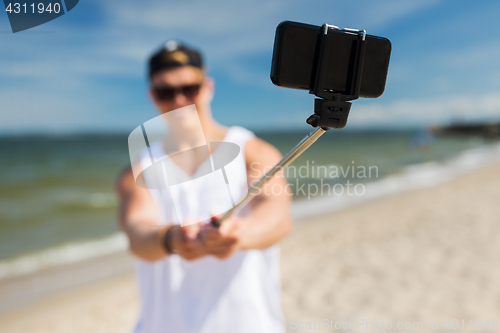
302	146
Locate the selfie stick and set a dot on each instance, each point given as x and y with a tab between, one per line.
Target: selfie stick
306	142
330	111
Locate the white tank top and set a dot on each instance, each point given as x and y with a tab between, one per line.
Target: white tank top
240	294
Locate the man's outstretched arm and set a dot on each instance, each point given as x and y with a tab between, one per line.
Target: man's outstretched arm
138	218
270	217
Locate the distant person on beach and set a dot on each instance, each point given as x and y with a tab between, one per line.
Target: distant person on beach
199	278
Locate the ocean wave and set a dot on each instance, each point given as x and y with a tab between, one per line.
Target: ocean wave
61	255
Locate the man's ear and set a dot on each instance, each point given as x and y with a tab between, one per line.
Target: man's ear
153	100
151	96
209	84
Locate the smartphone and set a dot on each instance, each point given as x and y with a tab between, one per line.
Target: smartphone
296	56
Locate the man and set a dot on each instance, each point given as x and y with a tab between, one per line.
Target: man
199	278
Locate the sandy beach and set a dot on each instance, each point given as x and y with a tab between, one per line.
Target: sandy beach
426	256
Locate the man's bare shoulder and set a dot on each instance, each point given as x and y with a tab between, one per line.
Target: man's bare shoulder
257	149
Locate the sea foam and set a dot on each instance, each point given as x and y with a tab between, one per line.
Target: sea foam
410	178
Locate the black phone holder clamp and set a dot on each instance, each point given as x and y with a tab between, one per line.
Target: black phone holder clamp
332	108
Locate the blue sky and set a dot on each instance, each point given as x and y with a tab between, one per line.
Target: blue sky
85	71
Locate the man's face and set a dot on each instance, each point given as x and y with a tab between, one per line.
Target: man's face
182	86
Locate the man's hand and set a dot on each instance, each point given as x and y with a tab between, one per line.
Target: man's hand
186	243
221	242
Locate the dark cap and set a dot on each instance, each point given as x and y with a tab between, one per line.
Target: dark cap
174	54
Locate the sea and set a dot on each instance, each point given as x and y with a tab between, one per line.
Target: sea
57	193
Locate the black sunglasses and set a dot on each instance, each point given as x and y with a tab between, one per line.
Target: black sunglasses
165	94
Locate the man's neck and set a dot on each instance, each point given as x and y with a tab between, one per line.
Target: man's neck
182	139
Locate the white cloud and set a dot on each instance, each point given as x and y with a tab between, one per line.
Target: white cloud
470	56
381	14
54	108
436	111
